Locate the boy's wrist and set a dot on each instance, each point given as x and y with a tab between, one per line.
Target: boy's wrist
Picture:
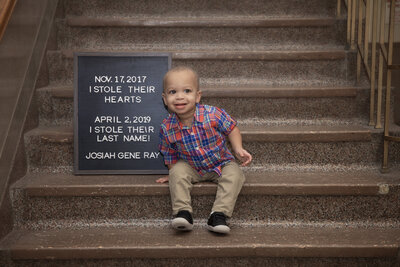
237	149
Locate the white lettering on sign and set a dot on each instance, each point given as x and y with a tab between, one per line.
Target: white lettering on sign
143	89
120	155
107	119
136	138
122	99
140	129
102	79
151	155
106	129
129	155
107	138
100	155
101	89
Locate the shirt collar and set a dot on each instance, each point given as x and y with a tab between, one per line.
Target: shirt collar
198	116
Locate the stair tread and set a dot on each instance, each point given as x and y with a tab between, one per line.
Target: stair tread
150	242
245	90
250	132
327	53
290	133
226	21
269	183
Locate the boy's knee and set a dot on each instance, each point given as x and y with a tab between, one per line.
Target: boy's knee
233	170
179	169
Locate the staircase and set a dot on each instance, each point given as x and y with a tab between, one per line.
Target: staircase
314	195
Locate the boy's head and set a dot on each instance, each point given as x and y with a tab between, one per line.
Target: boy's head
181	69
181	91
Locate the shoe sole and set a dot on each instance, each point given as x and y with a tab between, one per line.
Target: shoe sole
181	224
221	229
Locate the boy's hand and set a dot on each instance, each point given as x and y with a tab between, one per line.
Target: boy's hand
162	180
244	157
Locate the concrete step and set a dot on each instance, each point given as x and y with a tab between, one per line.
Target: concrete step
257	183
188	33
245	102
212	22
53	146
303	68
362	198
254	247
194	8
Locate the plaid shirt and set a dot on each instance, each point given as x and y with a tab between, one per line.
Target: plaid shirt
202	145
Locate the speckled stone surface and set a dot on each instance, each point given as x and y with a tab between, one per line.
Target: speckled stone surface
275	72
199	38
203	7
49	152
45	151
201	262
54	110
283	109
56	212
291	110
257	242
48	148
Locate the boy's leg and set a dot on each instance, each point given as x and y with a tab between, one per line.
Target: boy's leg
181	179
229	185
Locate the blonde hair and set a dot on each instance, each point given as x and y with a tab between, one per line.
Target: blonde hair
182	68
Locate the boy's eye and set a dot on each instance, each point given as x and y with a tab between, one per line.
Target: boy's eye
187	91
171	92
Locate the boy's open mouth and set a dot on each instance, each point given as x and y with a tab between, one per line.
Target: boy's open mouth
180	106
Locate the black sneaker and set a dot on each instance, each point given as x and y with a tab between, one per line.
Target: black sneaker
183	221
217	223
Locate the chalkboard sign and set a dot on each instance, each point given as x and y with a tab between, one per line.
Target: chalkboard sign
118	110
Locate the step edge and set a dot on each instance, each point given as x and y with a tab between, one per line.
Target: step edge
62	134
238	21
43	247
371	251
221	91
324	184
292	55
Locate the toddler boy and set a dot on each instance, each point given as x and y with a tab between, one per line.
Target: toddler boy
193	143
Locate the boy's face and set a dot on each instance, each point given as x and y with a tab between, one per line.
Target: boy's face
181	93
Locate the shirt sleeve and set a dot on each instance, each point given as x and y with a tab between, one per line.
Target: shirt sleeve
225	123
170	154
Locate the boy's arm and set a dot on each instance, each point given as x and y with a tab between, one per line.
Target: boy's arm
236	140
169	154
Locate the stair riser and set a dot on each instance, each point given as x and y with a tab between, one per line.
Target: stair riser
54	110
199	38
200	8
43	152
281	72
49	212
59	111
286	109
225	261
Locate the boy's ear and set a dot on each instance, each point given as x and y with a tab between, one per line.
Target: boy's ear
164	102
198	96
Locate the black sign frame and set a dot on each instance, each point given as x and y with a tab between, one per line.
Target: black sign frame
78	57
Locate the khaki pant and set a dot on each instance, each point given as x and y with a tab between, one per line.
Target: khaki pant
182	177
